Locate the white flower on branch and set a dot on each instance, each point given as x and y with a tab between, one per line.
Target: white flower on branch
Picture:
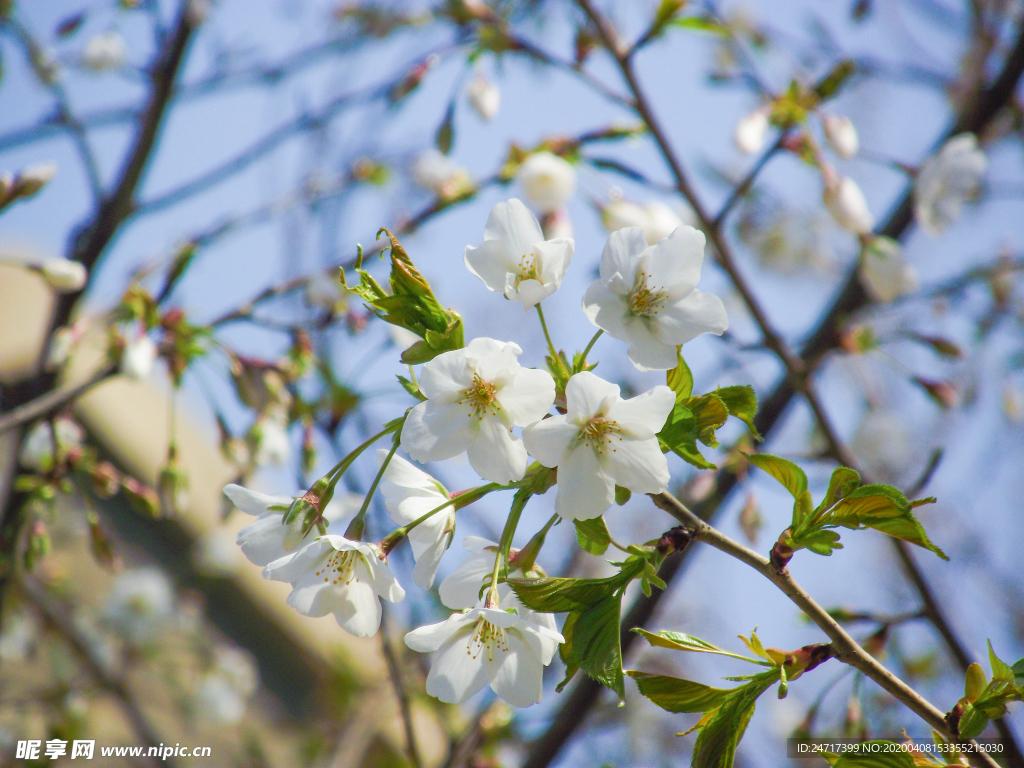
409	493
138	358
475	396
656	219
548	181
847	204
647	295
884	271
484	97
514	257
104	51
38	448
948	180
487	646
463	587
841	135
751	131
439	174
140	605
602	441
339	576
64	275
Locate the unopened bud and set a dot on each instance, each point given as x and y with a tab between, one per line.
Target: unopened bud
64	275
33	179
841	135
751	131
675	540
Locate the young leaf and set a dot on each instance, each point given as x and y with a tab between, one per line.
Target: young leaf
555	595
676	695
596	644
786	472
884	757
1018	672
721	734
592	535
741	402
1000	669
885	509
679	379
679	435
678	641
843	481
565	652
709	414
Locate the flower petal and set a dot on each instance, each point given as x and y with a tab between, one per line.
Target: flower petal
449	372
691	316
461	588
638	465
529	397
357	610
554	257
491	261
607	310
678	258
516	225
622	252
262	541
549	439
518	678
456	673
584	491
433	432
253	502
292	567
530	292
495	453
428	560
647	352
384	582
649	410
430	637
585	393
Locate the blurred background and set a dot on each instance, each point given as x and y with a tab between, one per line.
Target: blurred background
211	163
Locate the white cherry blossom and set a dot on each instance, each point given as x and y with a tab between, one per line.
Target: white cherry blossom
514	257
138	358
409	493
105	50
847	204
484	97
647	295
602	441
474	397
335	575
439	174
884	271
751	131
841	134
487	646
946	181
654	217
548	181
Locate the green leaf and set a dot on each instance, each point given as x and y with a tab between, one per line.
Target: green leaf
834	80
596	644
676	695
709	413
721	734
843	481
679	379
565	652
880	759
555	595
410	387
700	24
786	472
592	535
885	509
1000	669
679	641
446	131
741	402
1018	672
972	722
622	495
679	435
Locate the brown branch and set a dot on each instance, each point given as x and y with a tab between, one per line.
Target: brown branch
51	401
846	648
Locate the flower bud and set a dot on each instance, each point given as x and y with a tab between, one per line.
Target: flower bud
64	276
32	179
884	272
751	131
841	135
104	51
848	206
484	97
548	181
138	358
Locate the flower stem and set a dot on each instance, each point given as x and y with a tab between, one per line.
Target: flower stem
390	541
356	526
505	545
342	466
551	347
591	344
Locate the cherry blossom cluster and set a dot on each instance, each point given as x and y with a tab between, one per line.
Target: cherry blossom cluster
477	400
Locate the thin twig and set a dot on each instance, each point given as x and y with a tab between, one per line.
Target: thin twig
51	401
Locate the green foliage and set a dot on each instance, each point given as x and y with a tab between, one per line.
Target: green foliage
884	756
596	643
847	504
593	535
679	641
677	695
698	418
411	305
984	699
722	728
